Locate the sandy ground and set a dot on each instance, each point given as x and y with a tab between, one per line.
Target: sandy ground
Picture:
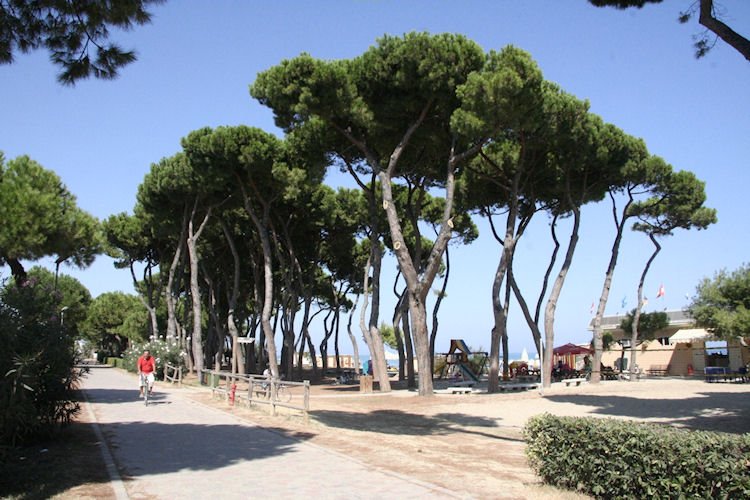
473	443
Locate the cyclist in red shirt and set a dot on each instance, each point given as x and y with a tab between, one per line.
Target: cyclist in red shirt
147	366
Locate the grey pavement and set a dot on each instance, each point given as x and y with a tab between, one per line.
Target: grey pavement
178	448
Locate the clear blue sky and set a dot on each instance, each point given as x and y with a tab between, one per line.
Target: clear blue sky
196	60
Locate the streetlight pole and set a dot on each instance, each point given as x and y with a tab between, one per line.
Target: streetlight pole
62	315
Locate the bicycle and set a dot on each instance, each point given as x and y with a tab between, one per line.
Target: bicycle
283	393
146	388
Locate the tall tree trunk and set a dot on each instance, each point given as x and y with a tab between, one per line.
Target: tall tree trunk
192	244
377	352
533	322
408	347
169	295
265	321
327	332
352	338
420	283
438	301
499	330
399	311
637	314
238	362
549	311
604	297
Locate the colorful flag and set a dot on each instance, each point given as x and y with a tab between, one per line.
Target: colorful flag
660	292
645	302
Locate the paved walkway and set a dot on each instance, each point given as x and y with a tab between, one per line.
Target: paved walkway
177	448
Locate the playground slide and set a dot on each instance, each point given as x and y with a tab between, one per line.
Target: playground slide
467	371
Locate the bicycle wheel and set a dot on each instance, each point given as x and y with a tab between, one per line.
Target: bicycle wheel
283	394
144	385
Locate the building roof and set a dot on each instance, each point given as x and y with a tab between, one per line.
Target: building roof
677	318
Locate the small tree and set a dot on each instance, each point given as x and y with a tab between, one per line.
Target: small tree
722	304
677	203
648	324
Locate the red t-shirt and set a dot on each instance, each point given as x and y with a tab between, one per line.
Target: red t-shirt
146	365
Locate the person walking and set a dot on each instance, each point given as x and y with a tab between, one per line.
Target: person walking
146	366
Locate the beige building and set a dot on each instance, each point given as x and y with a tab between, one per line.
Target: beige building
347	361
679	349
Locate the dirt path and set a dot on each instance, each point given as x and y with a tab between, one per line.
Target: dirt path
473	444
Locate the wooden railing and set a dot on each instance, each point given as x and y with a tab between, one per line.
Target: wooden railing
173	374
255	389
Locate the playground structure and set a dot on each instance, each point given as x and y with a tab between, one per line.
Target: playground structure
458	365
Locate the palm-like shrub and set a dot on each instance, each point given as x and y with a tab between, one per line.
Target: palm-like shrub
37	359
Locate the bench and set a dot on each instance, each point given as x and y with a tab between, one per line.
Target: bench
576	381
459	390
659	370
518	386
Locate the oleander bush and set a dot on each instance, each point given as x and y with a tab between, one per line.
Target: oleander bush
164	351
619	459
37	364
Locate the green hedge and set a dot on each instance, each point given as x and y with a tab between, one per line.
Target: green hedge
116	362
609	458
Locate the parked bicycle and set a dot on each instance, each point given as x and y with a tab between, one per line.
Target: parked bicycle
283	393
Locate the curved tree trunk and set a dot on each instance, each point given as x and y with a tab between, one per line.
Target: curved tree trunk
265	319
441	295
637	314
170	298
604	297
549	311
192	244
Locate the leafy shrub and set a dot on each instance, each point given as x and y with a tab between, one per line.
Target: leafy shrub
165	352
625	459
37	359
116	362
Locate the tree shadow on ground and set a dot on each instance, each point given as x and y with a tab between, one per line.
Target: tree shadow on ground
69	459
115	396
180	447
715	411
403	423
139	448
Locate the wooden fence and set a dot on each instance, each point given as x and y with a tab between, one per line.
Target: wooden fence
173	374
255	389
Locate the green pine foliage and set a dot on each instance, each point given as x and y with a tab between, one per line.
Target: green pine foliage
609	458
